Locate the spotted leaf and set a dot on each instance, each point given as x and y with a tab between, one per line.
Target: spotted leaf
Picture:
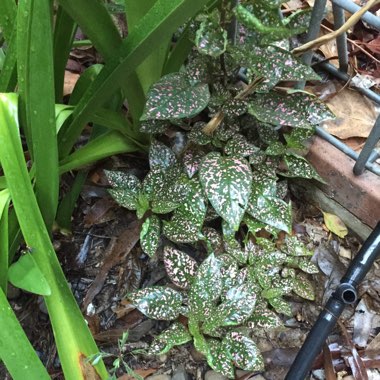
296	110
197	135
244	352
274	64
307	266
299	167
226	131
173	97
187	221
280	305
227	183
206	287
273	211
213	239
191	161
297	138
234	107
210	38
239	146
303	287
218	358
229	273
150	235
154	126
263	318
295	247
126	188
160	156
175	335
275	149
180	267
272	293
158	302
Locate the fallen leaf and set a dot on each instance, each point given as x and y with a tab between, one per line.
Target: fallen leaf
335	224
355	114
69	82
142	372
98	212
88	370
363	323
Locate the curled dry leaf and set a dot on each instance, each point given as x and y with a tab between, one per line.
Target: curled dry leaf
335	224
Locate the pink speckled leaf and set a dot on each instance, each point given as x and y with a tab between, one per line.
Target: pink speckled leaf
299	167
150	235
296	109
173	97
180	267
227	184
160	156
244	352
158	302
263	317
239	146
191	161
218	358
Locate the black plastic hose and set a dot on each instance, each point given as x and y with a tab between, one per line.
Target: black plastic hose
345	294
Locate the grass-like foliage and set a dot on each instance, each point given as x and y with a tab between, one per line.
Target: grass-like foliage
225	183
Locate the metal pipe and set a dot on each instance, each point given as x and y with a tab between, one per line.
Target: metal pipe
344	295
341	40
367	150
351	7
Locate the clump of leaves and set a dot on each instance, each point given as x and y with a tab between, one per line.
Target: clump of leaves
224	183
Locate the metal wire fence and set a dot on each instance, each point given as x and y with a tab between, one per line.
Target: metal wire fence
367	157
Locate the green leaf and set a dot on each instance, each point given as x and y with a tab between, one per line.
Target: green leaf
275	149
4	239
160	156
295	247
307	266
154	126
175	335
297	137
280	306
335	224
239	146
180	267
191	161
272	293
229	273
273	211
219	359
150	235
263	318
303	287
26	274
296	110
206	287
213	239
158	302
197	135
227	183
299	167
173	97
211	38
126	188
244	352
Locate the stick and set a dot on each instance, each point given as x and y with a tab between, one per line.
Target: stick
327	37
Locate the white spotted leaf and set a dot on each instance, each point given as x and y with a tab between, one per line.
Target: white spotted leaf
175	335
180	267
295	110
240	146
244	352
150	235
299	167
280	305
158	302
174	97
263	317
206	287
191	161
227	184
160	156
303	287
219	359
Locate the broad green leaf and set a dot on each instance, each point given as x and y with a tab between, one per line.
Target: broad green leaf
240	146
226	131
299	167
150	235
307	266
206	287
126	188
180	267
295	110
26	274
280	306
175	335
273	64
211	38
303	287
4	239
160	156
227	184
158	302
244	352
234	107
218	358
297	137
71	333
272	293
273	211
16	352
233	247
335	224
229	273
173	97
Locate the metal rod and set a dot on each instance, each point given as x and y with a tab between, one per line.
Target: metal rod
351	7
341	40
367	150
345	294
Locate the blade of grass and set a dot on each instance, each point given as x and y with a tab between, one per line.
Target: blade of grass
159	23
4	202
106	145
16	351
8	75
7	17
36	88
64	32
72	335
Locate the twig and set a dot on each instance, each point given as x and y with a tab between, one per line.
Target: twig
330	36
355	44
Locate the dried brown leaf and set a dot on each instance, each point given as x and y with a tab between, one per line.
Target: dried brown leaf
98	212
69	82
